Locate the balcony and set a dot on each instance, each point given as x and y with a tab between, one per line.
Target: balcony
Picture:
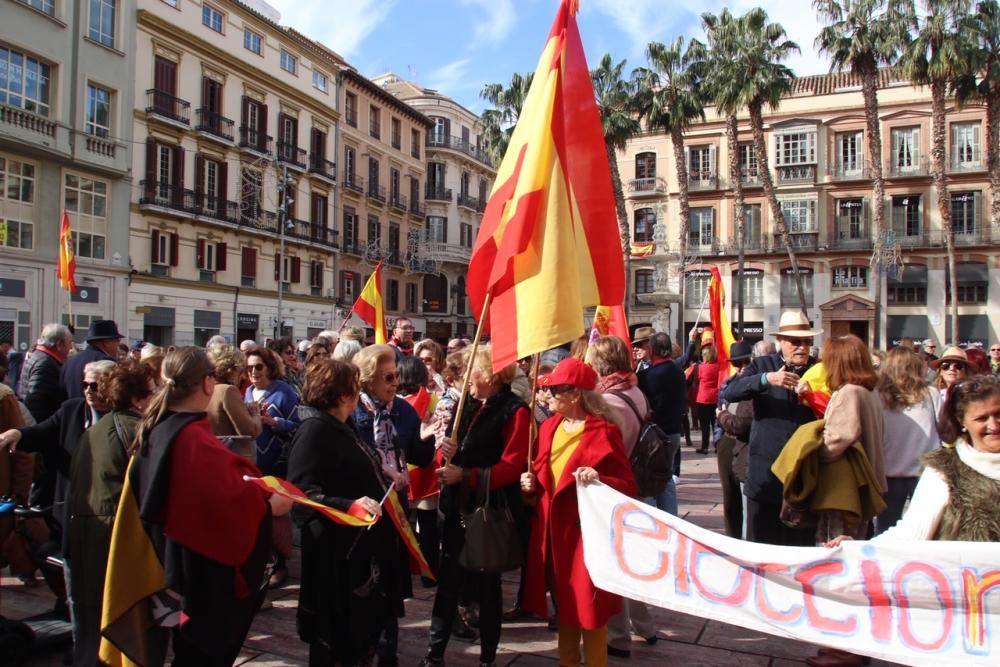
702	181
448	252
27	121
914	168
847	240
100	151
354	183
291	155
376	193
164	105
750	177
438	194
319	166
647	187
808	241
352	248
971	237
465	201
799	173
703	246
437	140
417	209
857	170
751	246
351	116
252	139
214	124
397	201
972	165
394	258
916	240
312	232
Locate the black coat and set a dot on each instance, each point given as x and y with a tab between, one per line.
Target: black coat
41	385
339	604
72	370
666	390
776	414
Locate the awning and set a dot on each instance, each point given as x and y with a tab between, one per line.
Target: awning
916	327
158	316
207	319
909	275
972	329
971	273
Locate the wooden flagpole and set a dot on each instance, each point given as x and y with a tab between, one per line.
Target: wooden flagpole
468	368
533	425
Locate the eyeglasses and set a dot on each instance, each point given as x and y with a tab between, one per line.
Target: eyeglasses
799	342
560	389
410	328
256	367
289	351
390	377
953	365
92	386
995	349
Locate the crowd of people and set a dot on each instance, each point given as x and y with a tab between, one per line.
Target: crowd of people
175	431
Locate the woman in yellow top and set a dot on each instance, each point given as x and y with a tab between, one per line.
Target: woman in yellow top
582	443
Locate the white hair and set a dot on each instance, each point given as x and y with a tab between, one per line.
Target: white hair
53	334
102	367
247	345
216	340
762	348
346	349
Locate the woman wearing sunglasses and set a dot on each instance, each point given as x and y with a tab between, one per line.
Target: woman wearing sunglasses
581	443
952	367
391	428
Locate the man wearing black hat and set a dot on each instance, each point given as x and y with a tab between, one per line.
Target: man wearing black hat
102	343
734	420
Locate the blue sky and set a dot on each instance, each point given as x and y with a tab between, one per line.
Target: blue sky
456	46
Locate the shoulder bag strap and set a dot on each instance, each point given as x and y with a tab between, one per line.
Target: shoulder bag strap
631	404
120	430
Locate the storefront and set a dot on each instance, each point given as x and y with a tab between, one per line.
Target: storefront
917	327
158	324
247	326
207	323
972	330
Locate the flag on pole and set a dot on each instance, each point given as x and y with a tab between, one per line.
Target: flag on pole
720	323
548	246
369	306
354	516
610	321
66	268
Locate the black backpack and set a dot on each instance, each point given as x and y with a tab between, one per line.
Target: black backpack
652	457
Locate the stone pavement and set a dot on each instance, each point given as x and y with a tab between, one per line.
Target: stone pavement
694	641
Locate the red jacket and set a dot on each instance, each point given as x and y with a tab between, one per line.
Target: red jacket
708	383
556	542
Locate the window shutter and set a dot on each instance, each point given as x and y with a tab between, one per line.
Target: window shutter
317	277
154	253
687	160
712	167
206	93
199	175
357	284
277	266
249	257
221	249
223	187
444	230
296	270
262	128
200	254
175	249
977	142
150	163
178	183
447	128
245	110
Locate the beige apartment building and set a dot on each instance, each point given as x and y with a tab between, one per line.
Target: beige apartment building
241	217
459	179
818	160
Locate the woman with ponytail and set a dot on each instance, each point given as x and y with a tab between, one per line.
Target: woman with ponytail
209	528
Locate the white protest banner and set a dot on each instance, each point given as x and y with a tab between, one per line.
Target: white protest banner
917	603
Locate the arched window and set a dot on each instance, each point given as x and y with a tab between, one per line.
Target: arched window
645	165
644	223
644	281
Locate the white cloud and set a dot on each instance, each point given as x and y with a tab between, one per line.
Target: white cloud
450	77
497	23
342	25
642	21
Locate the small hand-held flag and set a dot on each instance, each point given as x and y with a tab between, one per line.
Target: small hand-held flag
66	268
369	306
548	246
610	321
720	323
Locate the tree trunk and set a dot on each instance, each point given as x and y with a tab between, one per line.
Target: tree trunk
763	166
733	148
677	139
941	190
623	226
993	155
873	136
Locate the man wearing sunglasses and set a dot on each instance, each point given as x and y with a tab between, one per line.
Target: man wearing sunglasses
770	382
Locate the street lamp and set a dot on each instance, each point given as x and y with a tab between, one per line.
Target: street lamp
283	224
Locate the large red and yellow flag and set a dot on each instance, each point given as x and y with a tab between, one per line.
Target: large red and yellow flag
354	516
548	246
369	305
610	321
66	268
720	323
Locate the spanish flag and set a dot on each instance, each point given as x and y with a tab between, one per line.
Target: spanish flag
418	564
642	249
355	516
548	246
817	397
720	323
610	321
66	268
370	308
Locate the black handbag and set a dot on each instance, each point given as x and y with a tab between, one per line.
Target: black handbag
492	542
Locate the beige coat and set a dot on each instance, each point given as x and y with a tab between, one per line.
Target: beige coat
855	414
228	415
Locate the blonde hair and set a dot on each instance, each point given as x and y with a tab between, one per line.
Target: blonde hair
369	359
709	355
593	403
484	364
353	333
183	371
901	382
609	354
229	363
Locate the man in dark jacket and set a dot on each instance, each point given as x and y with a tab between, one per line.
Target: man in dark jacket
665	388
41	387
770	382
102	343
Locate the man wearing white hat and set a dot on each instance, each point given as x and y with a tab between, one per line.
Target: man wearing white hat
770	382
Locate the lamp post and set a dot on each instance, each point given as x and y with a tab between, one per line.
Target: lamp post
282	221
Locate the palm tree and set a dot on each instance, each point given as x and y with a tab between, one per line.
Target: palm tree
982	84
862	36
765	81
616	102
670	97
497	124
723	41
937	56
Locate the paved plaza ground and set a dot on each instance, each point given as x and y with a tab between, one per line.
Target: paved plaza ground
689	640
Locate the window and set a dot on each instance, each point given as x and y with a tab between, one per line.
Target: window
397	133
248	266
645	223
351	109
101	22
44	6
374	231
394	193
645	165
17	181
789	293
252	41
439	132
851	219
373	175
850	153
748	162
318	213
437	229
753	231
411	297
800	215
211	17
965	146
850	277
435	176
908	285
696	292
375	121
250	186
350	169
394	253
701	234
164	251
796	148
319	81
701	163
965	213
289	63
906	216
316	269
24	82
906	295
393	294
350	230
905	149
465	231
208	183
973	280
253	132
19	234
98	121
644	281
463	184
210	256
753	287
415	143
86	200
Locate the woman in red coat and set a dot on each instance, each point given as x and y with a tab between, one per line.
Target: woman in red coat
581	443
708	394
